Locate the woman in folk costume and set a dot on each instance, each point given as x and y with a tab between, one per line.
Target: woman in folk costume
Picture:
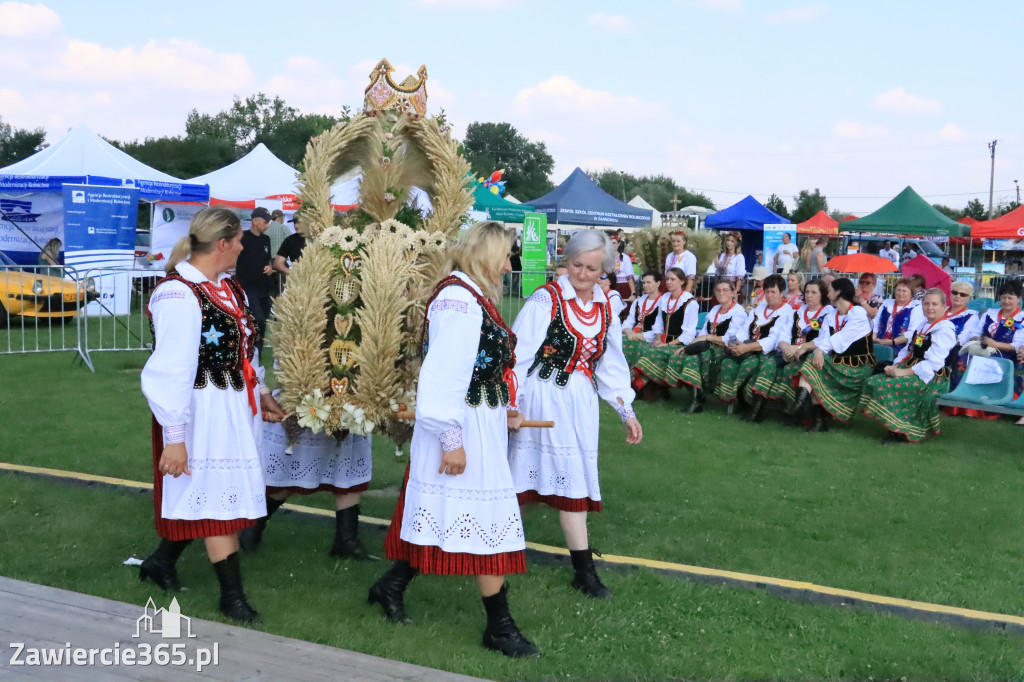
965	322
316	462
457	512
903	399
794	289
682	258
607	284
569	354
642	325
731	262
1002	329
764	326
777	376
700	370
679	311
832	379
896	316
206	398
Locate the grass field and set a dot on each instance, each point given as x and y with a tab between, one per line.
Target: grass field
937	522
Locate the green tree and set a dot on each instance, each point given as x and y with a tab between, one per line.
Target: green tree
18	143
775	204
807	204
1003	209
975	209
246	122
182	157
951	213
528	165
657	190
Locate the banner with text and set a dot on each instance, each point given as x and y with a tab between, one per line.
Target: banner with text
99	233
779	252
535	254
28	222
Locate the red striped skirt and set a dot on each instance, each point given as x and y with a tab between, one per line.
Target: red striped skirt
180	529
323	487
569	504
429	559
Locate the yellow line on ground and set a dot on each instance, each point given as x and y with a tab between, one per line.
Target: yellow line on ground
731	576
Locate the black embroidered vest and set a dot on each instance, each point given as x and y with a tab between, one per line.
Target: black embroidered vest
722	327
758	332
648	320
561	353
222	343
797	334
495	352
918	350
861	352
674	321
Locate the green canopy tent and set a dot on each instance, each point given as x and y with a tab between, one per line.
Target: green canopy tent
907	214
498	208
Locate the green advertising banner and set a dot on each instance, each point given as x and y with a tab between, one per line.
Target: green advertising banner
535	252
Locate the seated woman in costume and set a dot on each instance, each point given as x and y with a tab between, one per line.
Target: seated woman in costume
896	316
643	323
679	311
756	296
757	338
831	380
794	289
903	398
866	296
966	323
608	286
1001	330
777	375
700	370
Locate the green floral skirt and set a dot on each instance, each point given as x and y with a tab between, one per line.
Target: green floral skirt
837	386
632	349
735	376
697	371
777	383
653	363
904	405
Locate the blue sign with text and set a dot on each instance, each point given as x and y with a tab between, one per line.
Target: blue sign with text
99	225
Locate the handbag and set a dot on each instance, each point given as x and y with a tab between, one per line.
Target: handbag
697	347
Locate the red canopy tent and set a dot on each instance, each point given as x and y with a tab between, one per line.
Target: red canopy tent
819	223
1009	226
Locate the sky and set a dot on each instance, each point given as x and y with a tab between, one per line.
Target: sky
728	97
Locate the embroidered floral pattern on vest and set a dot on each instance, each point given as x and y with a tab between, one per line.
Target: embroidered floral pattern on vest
495	357
564	349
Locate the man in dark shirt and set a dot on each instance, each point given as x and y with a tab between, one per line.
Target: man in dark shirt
291	248
253	270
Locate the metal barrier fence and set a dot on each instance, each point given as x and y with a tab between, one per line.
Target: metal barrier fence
38	309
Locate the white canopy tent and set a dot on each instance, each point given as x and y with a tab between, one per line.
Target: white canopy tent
257	175
640	202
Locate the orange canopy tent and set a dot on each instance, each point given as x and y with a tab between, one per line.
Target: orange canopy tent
1009	226
819	223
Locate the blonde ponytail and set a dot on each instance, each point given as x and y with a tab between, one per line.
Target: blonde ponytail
207	227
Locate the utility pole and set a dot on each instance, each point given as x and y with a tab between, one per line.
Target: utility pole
1017	185
992	177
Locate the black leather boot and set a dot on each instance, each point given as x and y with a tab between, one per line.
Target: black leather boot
893	438
697	405
159	566
756	413
346	536
502	634
820	424
389	591
233	603
586	580
796	408
251	538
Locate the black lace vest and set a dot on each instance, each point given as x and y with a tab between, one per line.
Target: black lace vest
495	352
223	343
674	321
918	350
797	334
561	353
646	323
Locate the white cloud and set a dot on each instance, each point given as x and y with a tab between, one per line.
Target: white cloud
563	94
854	129
309	85
595	163
545	136
613	23
21	20
801	14
952	133
723	5
899	101
467	4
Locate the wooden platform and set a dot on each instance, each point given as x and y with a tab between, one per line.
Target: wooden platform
54	619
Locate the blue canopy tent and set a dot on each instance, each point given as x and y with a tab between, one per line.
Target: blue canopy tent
749	217
31	189
580	201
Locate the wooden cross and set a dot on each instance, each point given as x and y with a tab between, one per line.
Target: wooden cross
675	203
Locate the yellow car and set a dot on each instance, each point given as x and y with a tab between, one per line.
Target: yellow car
32	294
